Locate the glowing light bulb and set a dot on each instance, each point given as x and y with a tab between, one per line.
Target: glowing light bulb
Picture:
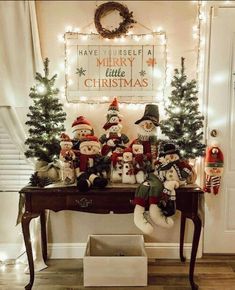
194	150
104	98
60	37
122	39
83	98
163	41
159	97
70	82
62	65
202	16
157	73
203	41
131	106
159	29
41	89
148	36
68	28
76	29
84	37
136	38
195	28
177	110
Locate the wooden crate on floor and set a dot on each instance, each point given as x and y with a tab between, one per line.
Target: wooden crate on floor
115	260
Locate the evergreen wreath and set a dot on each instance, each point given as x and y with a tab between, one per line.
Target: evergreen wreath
107	7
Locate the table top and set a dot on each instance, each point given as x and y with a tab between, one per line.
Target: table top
111	188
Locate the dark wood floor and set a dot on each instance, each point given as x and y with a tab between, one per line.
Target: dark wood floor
212	273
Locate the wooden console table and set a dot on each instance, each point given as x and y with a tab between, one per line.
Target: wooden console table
111	199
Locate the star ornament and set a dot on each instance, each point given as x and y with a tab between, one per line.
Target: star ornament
81	71
142	73
151	61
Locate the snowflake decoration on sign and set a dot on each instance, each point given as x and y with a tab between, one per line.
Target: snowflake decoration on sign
80	71
142	73
151	62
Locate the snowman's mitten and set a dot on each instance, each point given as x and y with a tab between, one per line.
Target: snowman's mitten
100	182
168	208
171	184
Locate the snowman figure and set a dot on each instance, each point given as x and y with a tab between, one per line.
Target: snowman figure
214	163
91	164
141	162
116	166
128	174
113	138
147	131
81	127
173	172
67	157
113	110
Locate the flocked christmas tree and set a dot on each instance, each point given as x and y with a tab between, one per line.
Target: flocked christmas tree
45	119
184	122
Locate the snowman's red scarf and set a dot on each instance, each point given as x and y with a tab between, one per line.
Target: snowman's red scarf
84	159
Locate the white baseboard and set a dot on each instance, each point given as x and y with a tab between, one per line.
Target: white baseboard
77	250
154	250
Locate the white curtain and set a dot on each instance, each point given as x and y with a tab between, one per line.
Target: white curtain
20	58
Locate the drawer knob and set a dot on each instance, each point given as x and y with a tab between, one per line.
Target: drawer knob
84	202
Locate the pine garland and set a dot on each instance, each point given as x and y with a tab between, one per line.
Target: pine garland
184	123
35	180
45	118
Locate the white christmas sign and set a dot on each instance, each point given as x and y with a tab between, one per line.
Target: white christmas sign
133	66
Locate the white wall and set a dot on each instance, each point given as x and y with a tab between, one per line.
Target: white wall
10	234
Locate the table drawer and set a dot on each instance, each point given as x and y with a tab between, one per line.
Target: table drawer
54	202
99	204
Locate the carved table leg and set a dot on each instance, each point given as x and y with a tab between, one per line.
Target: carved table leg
196	236
182	231
43	235
26	218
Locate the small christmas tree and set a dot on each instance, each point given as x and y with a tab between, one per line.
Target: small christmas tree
184	122
45	119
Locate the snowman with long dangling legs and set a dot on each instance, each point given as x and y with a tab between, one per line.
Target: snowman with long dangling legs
148	192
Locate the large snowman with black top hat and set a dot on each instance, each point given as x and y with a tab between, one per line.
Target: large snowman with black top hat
147	131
